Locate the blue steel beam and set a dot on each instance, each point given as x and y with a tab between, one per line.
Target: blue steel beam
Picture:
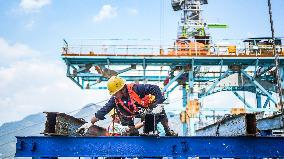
242	99
259	86
281	76
76	81
172	89
191	79
265	103
99	88
258	99
230	88
221	64
144	70
275	122
95	77
168	60
172	80
255	70
190	95
264	70
229	147
216	82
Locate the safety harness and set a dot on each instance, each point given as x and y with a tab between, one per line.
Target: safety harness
112	133
134	98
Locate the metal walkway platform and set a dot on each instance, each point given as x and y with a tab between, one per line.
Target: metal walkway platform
168	60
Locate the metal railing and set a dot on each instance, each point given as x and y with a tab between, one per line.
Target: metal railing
118	48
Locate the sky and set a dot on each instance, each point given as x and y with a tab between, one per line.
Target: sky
31	31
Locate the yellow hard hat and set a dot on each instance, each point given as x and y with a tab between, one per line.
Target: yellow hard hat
115	84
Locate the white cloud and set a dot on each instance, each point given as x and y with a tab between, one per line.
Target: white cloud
106	12
13	52
132	11
37	84
33	5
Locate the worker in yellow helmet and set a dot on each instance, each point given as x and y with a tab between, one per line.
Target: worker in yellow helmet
131	100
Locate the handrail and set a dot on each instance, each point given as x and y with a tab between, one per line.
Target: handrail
180	48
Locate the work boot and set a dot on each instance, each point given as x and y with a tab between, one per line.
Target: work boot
171	133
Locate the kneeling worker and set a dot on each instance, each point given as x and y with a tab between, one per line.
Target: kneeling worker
131	100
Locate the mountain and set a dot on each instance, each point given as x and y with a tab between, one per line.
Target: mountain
30	125
33	125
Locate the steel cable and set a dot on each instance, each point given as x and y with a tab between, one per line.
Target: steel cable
276	54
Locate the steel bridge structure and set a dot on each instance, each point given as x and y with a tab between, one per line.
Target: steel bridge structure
248	71
192	61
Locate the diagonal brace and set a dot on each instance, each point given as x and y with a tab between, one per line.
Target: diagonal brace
173	80
216	82
266	102
242	99
126	69
259	86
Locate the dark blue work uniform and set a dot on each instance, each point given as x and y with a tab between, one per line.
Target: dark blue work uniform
142	90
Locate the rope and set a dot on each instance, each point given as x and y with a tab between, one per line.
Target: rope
276	56
113	118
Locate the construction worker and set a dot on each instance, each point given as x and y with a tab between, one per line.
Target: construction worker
132	100
116	129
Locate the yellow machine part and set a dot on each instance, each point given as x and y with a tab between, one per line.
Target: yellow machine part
232	49
236	111
192	108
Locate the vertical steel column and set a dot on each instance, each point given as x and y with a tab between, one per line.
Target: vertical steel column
184	103
221	68
277	60
266	102
258	99
144	71
281	74
255	70
190	81
190	95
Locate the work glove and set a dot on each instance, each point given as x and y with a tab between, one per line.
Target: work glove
84	128
144	111
158	109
